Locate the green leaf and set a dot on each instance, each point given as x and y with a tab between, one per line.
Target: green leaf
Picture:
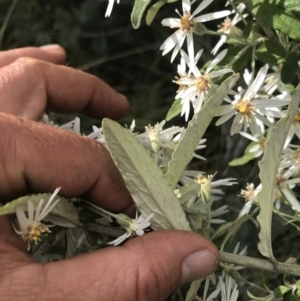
153	10
174	110
275	48
268	170
195	130
280	15
266	57
280	291
145	181
63	214
138	12
247	30
289	68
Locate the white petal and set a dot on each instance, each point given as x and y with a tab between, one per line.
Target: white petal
171	22
220	72
30	211
109	8
201	6
212	16
186	6
222	40
256	84
224	118
21	218
216	60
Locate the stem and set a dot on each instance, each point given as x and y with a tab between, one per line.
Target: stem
102	210
261	264
111	231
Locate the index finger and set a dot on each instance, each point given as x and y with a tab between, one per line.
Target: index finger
29	86
50	53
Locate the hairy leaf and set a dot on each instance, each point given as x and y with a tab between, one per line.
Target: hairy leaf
145	181
138	12
195	130
268	170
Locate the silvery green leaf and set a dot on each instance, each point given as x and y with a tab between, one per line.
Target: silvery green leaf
186	192
195	130
144	180
138	12
268	170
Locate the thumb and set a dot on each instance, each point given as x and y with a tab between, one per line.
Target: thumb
146	268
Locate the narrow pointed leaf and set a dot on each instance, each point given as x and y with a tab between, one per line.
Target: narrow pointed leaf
195	130
174	110
268	170
138	12
144	180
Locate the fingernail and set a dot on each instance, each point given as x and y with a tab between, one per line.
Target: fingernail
198	265
51	47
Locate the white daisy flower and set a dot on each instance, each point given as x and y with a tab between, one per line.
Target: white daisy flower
133	227
197	87
250	109
260	140
273	80
250	196
284	185
185	25
208	187
295	128
30	225
290	160
228	25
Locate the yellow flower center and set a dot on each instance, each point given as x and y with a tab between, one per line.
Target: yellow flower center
186	22
244	107
201	180
297	118
202	84
225	26
262	143
296	155
33	233
248	193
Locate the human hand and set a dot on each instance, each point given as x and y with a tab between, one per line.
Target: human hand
38	158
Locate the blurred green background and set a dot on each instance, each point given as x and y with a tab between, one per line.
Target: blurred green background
130	61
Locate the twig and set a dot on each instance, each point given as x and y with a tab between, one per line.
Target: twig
261	264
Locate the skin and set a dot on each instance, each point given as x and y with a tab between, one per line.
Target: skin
38	158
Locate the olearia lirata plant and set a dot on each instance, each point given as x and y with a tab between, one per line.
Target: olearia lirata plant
256	41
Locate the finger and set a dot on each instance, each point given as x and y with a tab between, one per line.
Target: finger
39	158
29	86
50	53
147	268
